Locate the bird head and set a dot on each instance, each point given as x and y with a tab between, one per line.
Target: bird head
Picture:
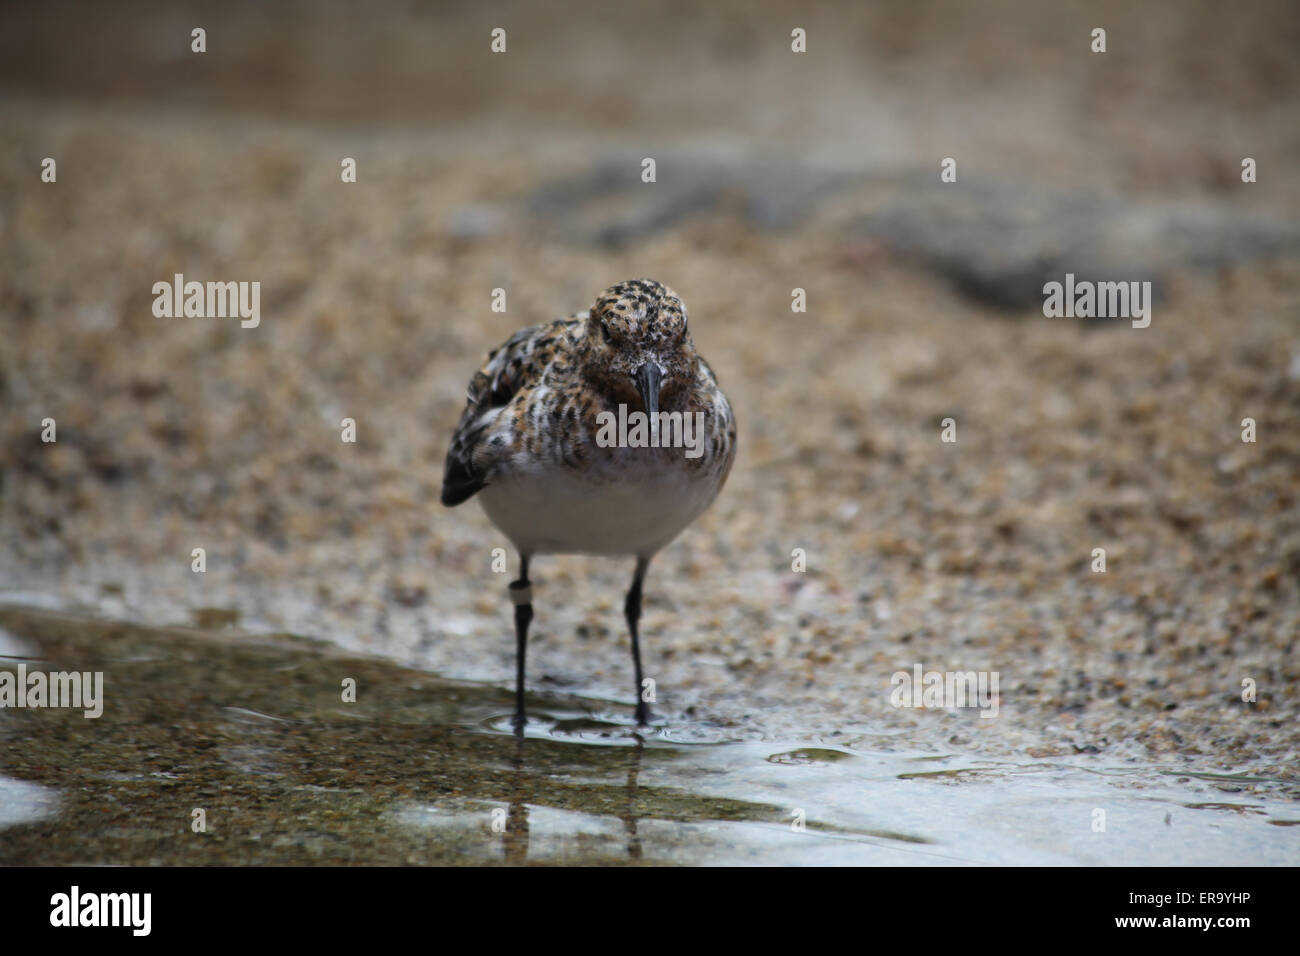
638	342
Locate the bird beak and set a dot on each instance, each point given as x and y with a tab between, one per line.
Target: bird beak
647	379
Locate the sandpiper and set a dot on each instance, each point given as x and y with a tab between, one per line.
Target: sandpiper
535	443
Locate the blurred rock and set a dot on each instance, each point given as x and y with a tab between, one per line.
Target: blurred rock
1000	243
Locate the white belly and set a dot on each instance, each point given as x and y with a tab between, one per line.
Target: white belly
558	511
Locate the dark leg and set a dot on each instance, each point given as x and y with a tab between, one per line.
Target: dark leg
632	610
521	593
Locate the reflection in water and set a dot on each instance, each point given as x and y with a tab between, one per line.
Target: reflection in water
256	733
23	802
629	817
515	838
15	648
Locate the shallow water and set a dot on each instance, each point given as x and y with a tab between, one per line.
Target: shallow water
254	732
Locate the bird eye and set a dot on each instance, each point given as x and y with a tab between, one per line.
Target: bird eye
604	330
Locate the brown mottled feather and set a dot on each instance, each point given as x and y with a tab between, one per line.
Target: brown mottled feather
537	397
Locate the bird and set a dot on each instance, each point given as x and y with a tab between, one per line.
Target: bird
604	433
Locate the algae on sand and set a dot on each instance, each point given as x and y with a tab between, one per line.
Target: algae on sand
255	733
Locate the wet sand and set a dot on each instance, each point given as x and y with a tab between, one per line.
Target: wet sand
419	770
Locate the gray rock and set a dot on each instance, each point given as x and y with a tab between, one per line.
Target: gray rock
999	243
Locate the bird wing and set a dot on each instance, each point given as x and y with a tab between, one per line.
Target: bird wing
516	365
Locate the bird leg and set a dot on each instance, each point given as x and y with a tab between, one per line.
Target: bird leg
632	611
521	594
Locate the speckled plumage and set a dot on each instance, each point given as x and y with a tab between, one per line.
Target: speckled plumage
532	446
527	438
